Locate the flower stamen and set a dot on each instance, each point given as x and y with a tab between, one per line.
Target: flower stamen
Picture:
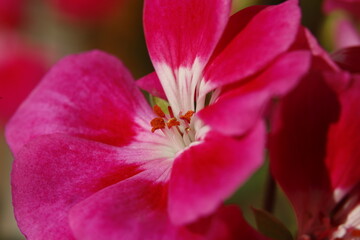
157	123
187	116
158	111
172	122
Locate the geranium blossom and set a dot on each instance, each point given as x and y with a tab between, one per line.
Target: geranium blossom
94	161
313	148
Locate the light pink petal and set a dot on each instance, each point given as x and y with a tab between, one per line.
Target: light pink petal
298	148
346	34
267	35
90	95
238	110
21	67
53	173
344	136
178	32
136	209
207	173
152	84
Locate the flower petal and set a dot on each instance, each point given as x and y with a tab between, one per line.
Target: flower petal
321	59
235	25
344	136
90	95
348	59
178	32
238	110
52	173
268	34
132	209
152	84
298	148
136	209
345	34
207	173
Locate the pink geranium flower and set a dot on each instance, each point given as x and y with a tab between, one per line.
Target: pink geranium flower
94	161
21	68
314	146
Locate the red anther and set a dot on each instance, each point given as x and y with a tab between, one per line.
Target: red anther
173	122
187	116
158	111
171	112
157	123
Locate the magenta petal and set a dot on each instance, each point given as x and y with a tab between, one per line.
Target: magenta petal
321	60
236	24
207	173
344	136
298	148
268	34
152	84
238	110
90	95
136	209
177	32
132	209
54	172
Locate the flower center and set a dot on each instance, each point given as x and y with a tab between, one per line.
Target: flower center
178	128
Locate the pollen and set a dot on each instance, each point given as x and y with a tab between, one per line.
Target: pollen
187	116
173	122
157	123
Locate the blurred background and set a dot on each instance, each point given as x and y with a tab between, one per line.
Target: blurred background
34	34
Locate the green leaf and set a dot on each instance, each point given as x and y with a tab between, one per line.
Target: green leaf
271	226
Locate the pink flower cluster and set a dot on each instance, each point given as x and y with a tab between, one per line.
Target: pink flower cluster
93	160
